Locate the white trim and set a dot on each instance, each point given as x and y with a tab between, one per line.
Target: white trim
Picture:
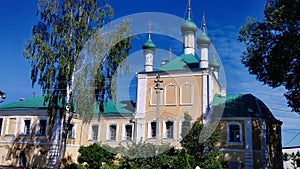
165	94
91	134
180	128
124	138
37	127
108	133
153	92
191	94
248	143
165	134
7	126
228	124
264	144
149	136
73	136
22	127
141	97
1	128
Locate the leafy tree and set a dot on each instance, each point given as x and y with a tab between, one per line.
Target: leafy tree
55	52
143	156
203	153
294	157
95	155
273	48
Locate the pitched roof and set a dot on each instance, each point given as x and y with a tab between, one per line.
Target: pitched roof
36	103
242	105
183	62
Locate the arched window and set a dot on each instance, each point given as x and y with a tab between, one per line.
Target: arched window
170	94
186	94
153	97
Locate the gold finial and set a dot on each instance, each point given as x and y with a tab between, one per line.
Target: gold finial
149	29
189	8
170	54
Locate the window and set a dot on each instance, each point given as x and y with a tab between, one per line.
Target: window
113	132
27	127
234	132
128	132
170	94
11	126
71	131
153	97
153	129
1	124
186	94
95	130
41	127
170	129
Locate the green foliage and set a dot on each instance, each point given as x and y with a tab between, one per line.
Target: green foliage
66	31
200	145
294	157
273	48
74	166
143	156
184	161
95	155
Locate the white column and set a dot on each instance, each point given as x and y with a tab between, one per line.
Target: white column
203	57
248	144
148	60
264	144
189	43
140	108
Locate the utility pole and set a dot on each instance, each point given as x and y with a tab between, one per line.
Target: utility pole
158	88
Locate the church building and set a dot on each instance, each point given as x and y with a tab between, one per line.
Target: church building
188	84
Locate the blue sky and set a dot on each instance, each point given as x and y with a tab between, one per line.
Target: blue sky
223	18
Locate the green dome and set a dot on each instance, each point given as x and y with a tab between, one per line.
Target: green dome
215	64
149	44
203	39
188	26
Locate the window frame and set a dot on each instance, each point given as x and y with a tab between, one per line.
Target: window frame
124	132
191	94
22	131
109	134
165	130
229	141
150	131
91	133
166	94
1	125
153	92
72	136
37	127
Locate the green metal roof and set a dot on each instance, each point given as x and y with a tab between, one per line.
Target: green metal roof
242	105
183	62
27	104
110	108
